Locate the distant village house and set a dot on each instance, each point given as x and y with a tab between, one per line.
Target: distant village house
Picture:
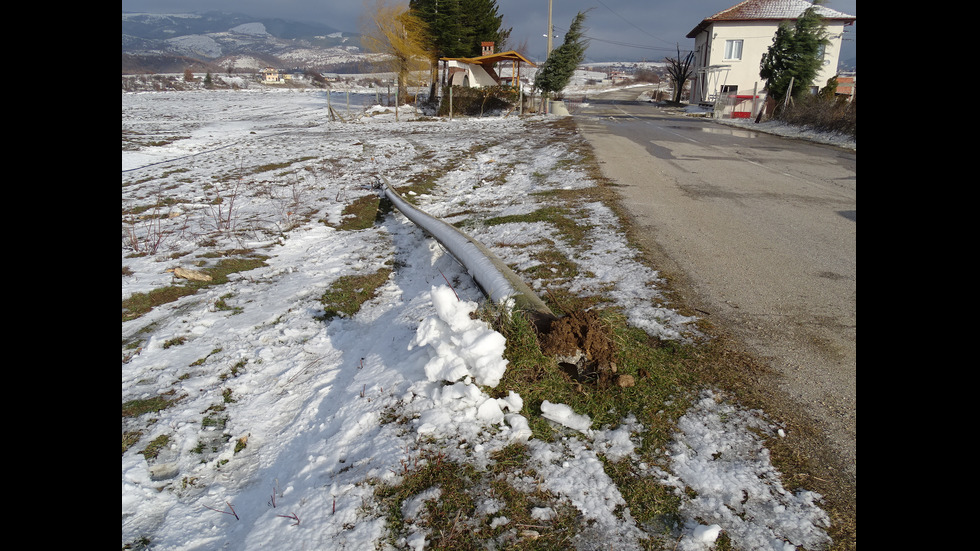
272	76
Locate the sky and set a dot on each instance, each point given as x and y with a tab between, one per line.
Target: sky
619	30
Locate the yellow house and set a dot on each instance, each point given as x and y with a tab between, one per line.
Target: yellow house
728	46
272	76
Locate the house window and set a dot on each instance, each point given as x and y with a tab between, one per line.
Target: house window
733	49
729	89
822	54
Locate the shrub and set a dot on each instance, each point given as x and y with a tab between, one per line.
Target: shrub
820	113
477	101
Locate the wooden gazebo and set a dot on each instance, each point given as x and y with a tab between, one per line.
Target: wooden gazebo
489	61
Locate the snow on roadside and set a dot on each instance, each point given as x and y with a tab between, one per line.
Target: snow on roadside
280	414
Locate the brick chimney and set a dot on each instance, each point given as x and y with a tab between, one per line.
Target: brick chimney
487	48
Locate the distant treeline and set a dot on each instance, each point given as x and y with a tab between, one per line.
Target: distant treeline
351	67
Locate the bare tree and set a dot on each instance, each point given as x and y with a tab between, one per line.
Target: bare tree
680	71
399	36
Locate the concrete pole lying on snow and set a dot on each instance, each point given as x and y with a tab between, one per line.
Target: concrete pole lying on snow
494	277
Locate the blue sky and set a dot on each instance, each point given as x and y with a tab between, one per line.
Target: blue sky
628	30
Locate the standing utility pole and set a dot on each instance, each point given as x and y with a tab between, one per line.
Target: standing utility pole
548	53
547	102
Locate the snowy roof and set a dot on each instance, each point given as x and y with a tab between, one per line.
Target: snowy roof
763	10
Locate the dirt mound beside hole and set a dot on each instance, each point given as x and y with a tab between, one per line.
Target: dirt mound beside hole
583	345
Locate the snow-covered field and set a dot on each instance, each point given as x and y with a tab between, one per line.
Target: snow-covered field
280	427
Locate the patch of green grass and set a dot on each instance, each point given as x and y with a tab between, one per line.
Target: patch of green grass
568	226
138	544
348	293
425	181
446	517
227	266
654	505
222	305
176	341
130	438
277	166
453	521
554	266
159	206
235	369
663	378
141	303
135	408
360	214
214	421
201	361
420	183
152	450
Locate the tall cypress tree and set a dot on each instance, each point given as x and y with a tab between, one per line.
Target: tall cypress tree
558	69
794	55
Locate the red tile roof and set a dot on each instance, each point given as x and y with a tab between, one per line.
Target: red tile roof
769	10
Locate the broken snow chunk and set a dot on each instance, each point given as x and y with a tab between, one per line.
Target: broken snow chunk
707	534
520	429
542	513
564	415
490	412
513	402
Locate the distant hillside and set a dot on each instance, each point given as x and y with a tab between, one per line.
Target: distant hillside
214	41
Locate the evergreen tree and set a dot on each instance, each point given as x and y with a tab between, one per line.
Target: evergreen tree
482	23
445	26
557	70
457	27
794	55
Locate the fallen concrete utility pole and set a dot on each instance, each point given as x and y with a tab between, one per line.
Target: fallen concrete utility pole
494	277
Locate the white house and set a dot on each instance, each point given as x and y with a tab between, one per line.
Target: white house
728	48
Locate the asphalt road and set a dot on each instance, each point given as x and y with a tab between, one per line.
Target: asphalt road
762	230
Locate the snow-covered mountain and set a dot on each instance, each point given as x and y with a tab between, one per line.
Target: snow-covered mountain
219	41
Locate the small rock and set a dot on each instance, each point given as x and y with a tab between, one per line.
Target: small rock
625	381
163	471
187	273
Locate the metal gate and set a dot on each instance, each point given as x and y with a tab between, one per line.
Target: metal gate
743	106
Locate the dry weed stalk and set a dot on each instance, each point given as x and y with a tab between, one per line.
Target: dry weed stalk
291	516
222	204
146	234
233	513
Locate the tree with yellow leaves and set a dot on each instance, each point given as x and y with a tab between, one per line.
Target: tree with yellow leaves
399	36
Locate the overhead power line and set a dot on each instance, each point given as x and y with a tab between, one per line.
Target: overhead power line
630	45
630	23
640	46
